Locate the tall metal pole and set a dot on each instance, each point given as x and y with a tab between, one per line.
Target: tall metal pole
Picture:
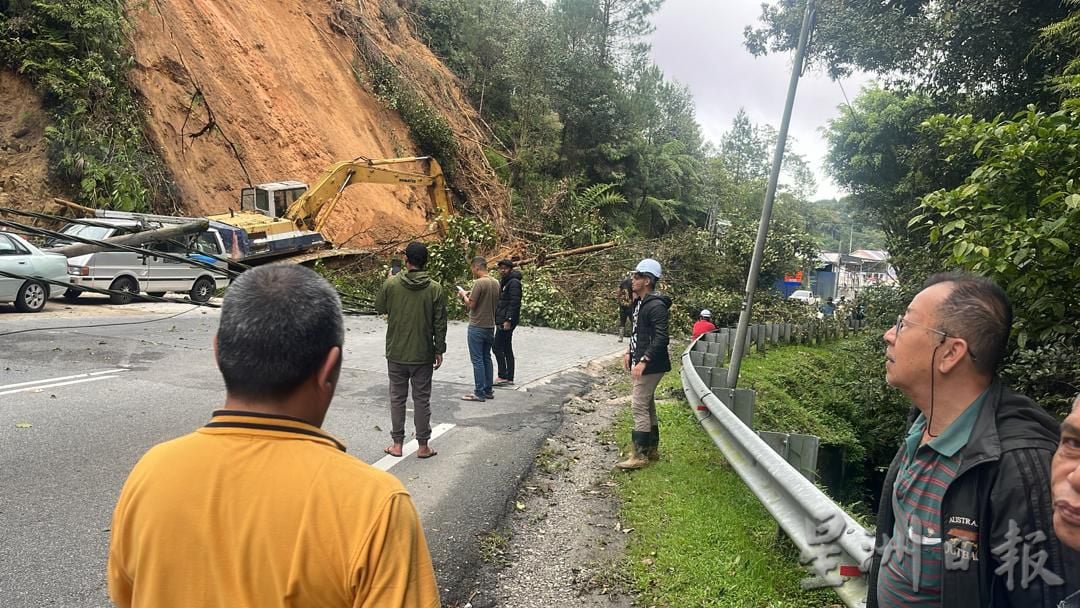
770	196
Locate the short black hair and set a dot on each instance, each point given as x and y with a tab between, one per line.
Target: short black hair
416	253
278	322
979	311
505	262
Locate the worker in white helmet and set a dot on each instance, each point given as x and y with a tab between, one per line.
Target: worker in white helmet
647	360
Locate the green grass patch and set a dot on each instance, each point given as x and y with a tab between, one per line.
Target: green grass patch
701	538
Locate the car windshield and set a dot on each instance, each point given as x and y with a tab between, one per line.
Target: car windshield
88	232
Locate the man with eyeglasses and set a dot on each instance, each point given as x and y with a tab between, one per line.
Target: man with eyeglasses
965	517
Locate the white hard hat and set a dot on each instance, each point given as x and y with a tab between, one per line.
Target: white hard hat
706	313
650	266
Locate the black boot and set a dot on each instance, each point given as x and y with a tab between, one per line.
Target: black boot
639	452
654	444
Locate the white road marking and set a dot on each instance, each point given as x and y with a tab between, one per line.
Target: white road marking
41	387
388	461
23	387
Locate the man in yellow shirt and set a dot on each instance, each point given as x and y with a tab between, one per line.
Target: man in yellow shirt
261	507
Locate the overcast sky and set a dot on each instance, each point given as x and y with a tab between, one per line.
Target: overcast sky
699	43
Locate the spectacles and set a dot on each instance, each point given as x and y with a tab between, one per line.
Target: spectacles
901	322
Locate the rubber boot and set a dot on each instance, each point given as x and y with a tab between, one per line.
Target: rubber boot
638	457
654	444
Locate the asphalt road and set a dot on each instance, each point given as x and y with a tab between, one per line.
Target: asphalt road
81	400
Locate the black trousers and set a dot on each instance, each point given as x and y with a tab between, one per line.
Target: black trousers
504	352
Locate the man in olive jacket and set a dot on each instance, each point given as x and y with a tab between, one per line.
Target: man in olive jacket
965	513
415	307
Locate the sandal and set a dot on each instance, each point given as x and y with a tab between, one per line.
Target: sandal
471	397
390	450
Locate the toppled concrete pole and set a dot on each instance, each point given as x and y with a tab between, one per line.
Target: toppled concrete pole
134	240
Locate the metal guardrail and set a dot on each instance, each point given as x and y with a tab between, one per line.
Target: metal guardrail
832	545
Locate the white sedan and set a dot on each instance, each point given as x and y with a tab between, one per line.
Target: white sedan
17	256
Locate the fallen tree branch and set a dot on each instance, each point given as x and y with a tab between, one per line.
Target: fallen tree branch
544	257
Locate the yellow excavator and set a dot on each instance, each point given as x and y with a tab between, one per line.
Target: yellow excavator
274	211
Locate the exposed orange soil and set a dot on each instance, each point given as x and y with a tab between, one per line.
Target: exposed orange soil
23	160
277	78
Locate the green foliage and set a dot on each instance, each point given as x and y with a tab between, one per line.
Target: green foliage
1064	37
577	215
937	46
1048	373
432	132
1016	218
78	53
836	391
449	259
573	101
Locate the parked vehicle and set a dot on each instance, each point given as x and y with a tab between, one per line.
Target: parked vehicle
803	295
18	256
130	273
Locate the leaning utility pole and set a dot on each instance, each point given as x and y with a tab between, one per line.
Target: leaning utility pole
770	196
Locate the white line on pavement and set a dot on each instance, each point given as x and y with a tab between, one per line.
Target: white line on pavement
388	461
62	378
54	384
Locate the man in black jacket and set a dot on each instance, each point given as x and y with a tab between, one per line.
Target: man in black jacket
965	513
647	360
507	316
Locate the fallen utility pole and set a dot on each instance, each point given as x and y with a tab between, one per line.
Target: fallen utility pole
136	239
770	196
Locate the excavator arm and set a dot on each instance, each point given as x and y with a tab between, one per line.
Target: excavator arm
316	205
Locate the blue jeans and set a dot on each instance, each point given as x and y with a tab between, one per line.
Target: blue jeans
480	342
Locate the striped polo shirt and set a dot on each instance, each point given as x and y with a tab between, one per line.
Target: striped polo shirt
911	565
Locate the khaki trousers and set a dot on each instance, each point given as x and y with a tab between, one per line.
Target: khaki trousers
401	375
643	401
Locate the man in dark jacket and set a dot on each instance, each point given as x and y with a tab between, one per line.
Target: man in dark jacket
647	360
967	494
415	307
507	316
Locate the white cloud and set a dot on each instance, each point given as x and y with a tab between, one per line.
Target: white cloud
699	43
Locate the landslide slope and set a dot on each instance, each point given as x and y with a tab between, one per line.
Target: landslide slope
266	90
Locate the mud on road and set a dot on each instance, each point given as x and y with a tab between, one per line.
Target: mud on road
562	542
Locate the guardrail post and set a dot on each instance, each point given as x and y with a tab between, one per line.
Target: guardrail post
722	340
803	454
740	401
709	359
717	379
697	357
762	333
774	333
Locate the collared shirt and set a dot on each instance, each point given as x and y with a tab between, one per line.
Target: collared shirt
262	510
912	565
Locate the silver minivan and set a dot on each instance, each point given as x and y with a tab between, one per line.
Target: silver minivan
130	273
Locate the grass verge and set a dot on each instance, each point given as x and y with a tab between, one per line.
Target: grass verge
700	537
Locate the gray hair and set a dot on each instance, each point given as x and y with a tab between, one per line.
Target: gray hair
479	262
277	324
978	311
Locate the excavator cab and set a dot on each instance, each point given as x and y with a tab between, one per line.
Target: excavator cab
272	199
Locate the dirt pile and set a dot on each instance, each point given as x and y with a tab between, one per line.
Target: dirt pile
258	91
23	155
